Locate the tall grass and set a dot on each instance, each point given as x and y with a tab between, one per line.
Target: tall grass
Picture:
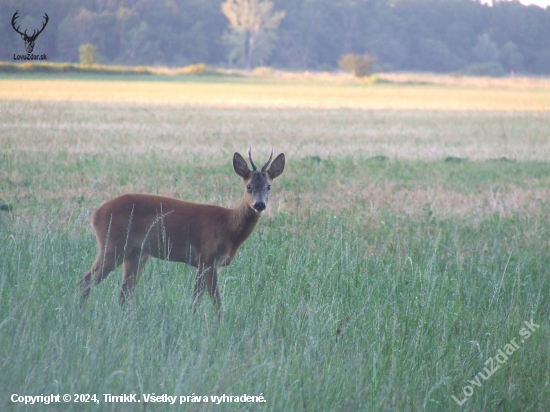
420	306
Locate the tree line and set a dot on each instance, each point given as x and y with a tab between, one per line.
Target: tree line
402	35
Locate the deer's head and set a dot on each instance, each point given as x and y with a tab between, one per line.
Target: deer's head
258	182
29	40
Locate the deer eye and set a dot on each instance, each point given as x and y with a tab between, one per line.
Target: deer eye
248	187
268	187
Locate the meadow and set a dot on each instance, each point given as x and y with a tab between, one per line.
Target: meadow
404	246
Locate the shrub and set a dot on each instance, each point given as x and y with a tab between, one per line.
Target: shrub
359	65
263	71
195	69
88	54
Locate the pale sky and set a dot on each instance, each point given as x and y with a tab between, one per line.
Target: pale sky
541	3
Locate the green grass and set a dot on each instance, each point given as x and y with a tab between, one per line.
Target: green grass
386	271
422	304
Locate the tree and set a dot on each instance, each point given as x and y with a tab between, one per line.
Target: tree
253	28
511	57
485	49
418	35
434	55
76	30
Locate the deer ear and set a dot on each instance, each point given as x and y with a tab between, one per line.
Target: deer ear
277	166
240	166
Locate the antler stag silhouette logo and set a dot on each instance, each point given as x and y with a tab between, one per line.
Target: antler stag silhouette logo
29	40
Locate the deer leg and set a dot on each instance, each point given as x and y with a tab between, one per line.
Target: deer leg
103	265
207	278
133	269
198	290
214	291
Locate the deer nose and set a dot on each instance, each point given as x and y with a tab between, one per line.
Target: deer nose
259	206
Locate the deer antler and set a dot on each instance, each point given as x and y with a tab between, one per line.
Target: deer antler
34	36
268	162
15	16
34	33
254	168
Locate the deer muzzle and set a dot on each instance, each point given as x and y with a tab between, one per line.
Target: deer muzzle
259	206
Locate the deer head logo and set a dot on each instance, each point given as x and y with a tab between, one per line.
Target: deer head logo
29	40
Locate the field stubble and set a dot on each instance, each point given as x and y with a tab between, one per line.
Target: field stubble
421	236
53	152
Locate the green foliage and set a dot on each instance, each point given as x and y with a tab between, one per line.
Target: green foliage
436	55
431	35
485	50
511	57
171	33
88	54
360	65
491	69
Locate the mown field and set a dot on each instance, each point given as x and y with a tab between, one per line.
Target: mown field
404	246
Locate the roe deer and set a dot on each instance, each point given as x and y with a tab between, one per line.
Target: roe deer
133	227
